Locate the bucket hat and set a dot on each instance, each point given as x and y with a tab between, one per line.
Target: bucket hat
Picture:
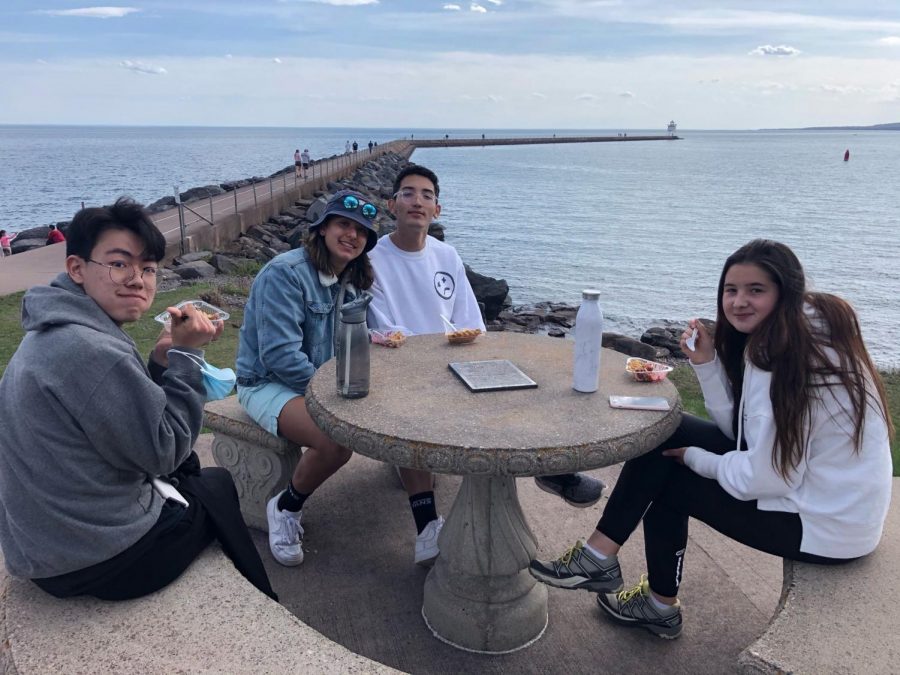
356	207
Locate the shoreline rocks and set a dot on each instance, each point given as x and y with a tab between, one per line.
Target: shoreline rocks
241	259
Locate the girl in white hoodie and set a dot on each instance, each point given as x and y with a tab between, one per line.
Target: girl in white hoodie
796	461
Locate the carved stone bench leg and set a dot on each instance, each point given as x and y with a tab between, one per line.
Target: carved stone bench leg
258	472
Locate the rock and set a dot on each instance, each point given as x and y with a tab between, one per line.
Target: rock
316	209
193	257
160	205
20	244
201	193
195	270
234	184
632	347
669	337
491	292
436	230
228	265
295	236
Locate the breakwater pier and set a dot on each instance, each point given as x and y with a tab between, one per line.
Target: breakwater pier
212	220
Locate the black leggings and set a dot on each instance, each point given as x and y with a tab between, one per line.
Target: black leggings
665	494
175	540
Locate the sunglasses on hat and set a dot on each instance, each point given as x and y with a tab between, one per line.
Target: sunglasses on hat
351	203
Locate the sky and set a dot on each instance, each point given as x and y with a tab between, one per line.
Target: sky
531	64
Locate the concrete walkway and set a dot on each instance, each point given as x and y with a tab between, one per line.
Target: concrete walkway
359	587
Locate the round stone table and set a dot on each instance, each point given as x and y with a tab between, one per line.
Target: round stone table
479	595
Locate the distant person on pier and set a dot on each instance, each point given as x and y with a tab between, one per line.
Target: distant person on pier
5	246
347	148
55	236
795	462
355	147
371	145
88	428
417	279
304	160
297	164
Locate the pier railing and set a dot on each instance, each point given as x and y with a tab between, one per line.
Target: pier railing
174	223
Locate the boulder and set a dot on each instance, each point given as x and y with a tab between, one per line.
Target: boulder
295	236
632	347
201	192
436	230
669	337
193	257
491	292
20	244
160	205
228	265
195	270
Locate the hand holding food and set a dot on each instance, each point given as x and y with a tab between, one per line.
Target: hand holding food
191	327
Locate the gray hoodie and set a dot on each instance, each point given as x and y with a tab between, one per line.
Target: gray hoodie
83	428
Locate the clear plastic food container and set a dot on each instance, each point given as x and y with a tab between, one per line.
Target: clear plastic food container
213	312
647	371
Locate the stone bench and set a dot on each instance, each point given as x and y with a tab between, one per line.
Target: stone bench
839	619
260	463
210	620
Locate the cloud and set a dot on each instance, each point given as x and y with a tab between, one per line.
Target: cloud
92	12
276	60
453	8
626	94
495	2
840	89
475	7
493	98
537	94
139	67
770	50
587	97
344	3
890	41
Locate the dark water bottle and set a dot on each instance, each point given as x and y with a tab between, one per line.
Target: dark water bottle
352	348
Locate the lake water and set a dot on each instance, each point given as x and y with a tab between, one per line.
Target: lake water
648	223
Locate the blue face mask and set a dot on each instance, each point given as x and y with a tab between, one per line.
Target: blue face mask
218	382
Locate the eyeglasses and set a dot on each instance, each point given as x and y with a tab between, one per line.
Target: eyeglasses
121	273
351	203
409	194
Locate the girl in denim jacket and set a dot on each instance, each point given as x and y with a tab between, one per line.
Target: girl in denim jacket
288	333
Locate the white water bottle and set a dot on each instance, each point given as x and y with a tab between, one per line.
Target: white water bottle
588	342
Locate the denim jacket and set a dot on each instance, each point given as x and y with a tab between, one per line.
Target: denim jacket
288	329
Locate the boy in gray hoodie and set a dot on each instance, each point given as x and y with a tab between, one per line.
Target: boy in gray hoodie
87	426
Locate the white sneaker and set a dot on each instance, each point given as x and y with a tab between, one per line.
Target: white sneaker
427	543
285	533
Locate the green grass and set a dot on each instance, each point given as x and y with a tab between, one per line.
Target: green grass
223	351
220	353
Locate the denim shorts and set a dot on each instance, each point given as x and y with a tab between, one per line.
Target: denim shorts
264	403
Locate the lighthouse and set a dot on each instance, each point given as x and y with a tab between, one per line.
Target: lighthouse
671	128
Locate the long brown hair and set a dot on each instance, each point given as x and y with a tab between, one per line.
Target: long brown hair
793	348
358	272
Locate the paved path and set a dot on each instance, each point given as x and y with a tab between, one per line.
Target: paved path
359	587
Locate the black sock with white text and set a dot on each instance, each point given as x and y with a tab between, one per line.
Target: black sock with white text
291	500
423	508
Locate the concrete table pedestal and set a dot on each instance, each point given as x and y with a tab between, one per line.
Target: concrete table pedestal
479	596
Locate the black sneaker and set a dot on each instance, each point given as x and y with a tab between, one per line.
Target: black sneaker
577	568
577	489
634	608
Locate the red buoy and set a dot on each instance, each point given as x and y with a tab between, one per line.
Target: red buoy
847	155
